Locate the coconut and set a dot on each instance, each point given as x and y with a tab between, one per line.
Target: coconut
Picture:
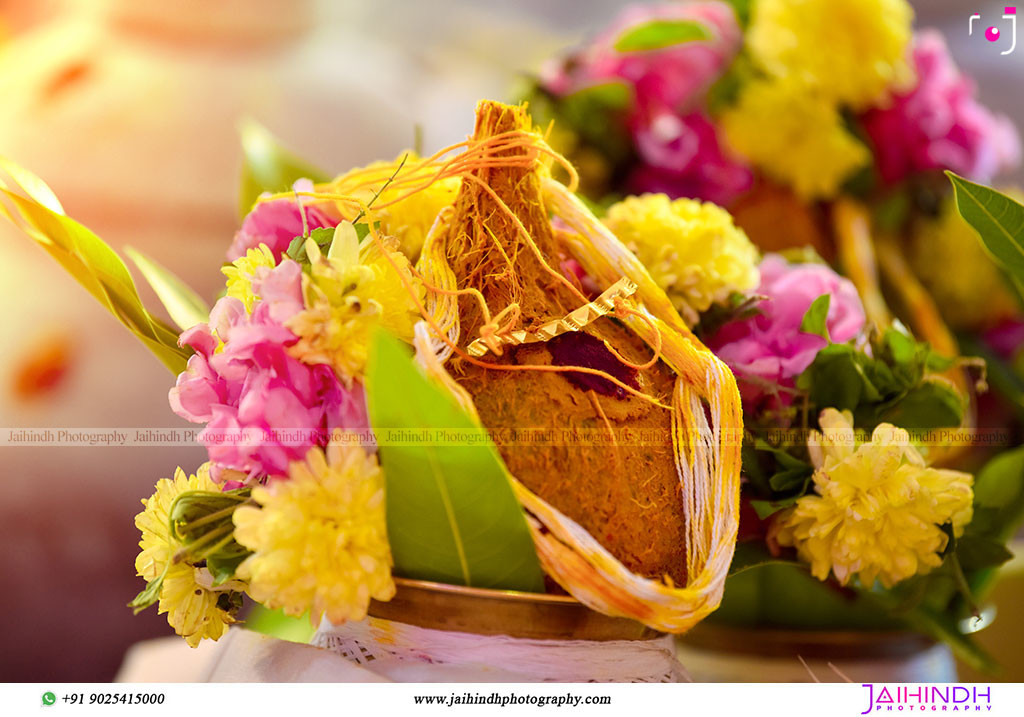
638	522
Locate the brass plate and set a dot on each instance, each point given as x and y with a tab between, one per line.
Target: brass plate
503	612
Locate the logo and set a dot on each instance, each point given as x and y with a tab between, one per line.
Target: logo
49	698
928	698
994	34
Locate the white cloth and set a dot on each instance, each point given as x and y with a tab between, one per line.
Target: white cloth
406	653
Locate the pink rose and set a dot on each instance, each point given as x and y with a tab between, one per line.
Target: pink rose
673	78
276	223
939	124
676	143
263	408
770	347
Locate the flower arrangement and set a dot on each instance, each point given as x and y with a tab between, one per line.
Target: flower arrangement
825	130
383	342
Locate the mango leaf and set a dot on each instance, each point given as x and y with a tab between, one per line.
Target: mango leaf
976	552
815	319
998	512
658	34
999	496
452	515
268	167
90	261
998	220
750	554
185	307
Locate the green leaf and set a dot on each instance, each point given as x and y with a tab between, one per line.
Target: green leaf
816	318
998	220
999	487
784	594
276	624
790	479
90	261
268	167
976	552
837	378
751	554
766	508
658	34
931	404
323	236
224	567
998	511
185	307
742	8
151	593
452	514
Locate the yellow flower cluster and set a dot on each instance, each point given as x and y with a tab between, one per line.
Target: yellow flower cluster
878	509
241	272
818	57
949	241
692	249
319	539
794	137
195	609
349	292
407	219
849	52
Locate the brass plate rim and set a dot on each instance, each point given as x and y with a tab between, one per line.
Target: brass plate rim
485	612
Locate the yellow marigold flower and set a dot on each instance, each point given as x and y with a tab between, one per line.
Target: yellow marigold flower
949	241
692	249
794	137
408	219
241	272
158	546
347	294
849	51
319	538
195	609
878	509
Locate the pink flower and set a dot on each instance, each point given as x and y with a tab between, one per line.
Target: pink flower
676	143
770	347
940	124
276	223
263	408
681	157
674	78
1007	339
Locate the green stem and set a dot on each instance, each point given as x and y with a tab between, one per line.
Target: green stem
211	517
218	545
228	529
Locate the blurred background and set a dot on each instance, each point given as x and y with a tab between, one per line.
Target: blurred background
129	109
